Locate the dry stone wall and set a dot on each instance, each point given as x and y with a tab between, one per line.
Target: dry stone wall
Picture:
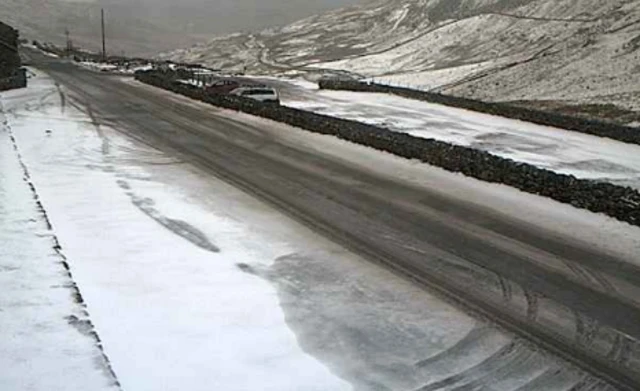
11	76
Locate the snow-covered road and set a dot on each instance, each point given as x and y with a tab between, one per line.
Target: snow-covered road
155	249
555	149
192	284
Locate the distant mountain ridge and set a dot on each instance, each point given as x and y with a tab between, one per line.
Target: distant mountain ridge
555	52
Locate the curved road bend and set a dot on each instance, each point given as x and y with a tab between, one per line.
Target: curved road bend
558	293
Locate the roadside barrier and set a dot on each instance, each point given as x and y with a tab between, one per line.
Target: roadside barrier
622	203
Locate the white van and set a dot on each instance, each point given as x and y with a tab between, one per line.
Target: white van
259	93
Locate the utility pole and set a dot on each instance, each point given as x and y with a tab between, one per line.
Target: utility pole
69	43
104	45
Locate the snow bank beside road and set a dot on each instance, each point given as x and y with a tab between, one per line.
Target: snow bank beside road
47	338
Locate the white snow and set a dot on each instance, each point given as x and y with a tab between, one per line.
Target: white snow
399	16
49	54
182	273
576	52
562	151
46	342
97	66
429	79
142	230
106	67
170	314
192	82
499	57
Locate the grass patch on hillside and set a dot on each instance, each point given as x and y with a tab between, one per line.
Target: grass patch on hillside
595	111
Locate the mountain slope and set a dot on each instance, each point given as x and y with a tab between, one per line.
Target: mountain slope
347	32
567	51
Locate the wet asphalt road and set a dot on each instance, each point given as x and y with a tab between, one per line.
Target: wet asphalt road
491	265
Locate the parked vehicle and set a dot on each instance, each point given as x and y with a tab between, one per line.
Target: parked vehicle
260	93
222	86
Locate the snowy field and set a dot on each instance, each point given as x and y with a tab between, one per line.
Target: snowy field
566	152
192	284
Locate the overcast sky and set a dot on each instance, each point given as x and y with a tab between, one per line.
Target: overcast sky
146	27
220	16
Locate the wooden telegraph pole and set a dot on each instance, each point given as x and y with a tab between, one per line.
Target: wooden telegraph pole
104	46
69	42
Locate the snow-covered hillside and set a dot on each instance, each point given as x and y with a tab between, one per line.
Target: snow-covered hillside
569	51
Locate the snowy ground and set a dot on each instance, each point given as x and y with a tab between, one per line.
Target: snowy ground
192	284
113	68
555	149
47	339
167	296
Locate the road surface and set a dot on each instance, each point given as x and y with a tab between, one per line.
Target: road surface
563	294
